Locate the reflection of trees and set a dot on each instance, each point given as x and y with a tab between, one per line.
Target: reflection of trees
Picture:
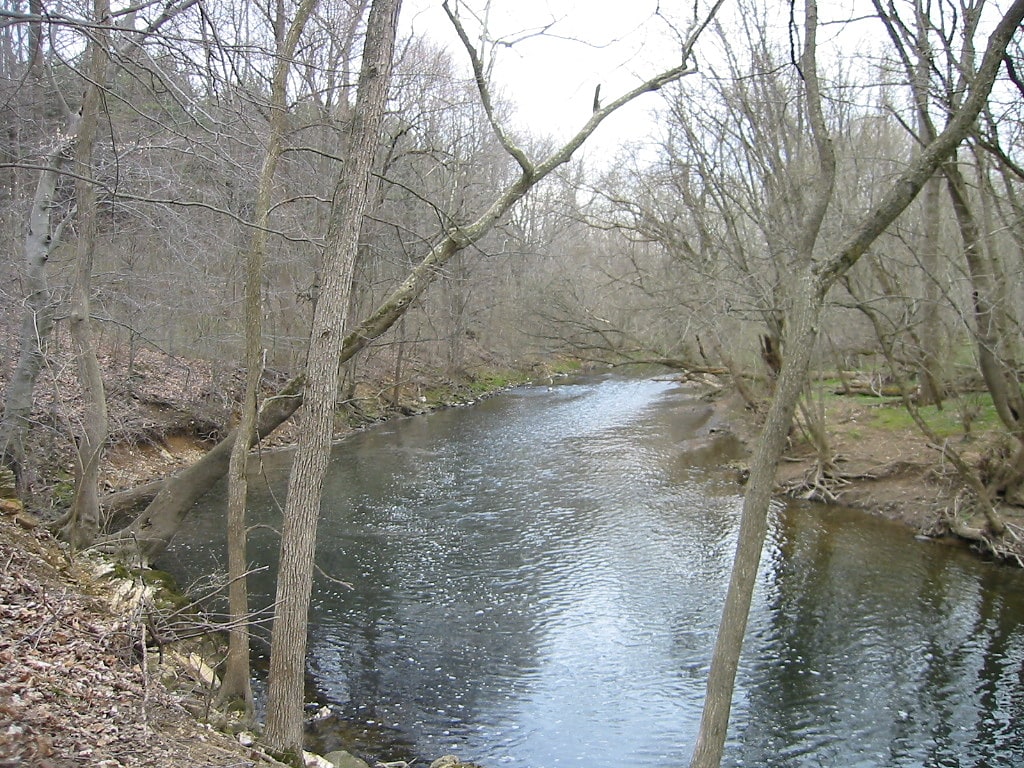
875	652
420	632
998	634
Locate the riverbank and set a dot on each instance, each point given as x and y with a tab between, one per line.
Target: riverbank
81	679
81	683
78	684
883	465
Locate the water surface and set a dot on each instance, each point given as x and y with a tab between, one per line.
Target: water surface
537	581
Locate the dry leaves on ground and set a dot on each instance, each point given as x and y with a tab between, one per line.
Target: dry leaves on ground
72	689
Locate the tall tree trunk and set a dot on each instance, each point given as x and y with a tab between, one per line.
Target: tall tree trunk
305	485
930	338
237	679
721	678
41	238
800	329
991	333
83	522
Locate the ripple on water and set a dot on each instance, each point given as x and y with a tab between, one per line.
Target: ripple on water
538	580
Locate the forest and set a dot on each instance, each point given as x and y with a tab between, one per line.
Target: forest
297	211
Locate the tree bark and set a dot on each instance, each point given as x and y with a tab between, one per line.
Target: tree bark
305	485
83	521
37	320
236	682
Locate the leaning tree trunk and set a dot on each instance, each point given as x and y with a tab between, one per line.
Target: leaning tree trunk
725	661
800	339
149	534
801	331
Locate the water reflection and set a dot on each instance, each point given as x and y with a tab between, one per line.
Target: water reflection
868	657
538	580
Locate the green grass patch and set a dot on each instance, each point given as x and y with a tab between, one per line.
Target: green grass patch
484	382
948	422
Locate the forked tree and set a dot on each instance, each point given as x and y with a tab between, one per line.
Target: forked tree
813	282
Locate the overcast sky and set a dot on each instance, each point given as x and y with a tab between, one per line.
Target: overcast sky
617	43
551	77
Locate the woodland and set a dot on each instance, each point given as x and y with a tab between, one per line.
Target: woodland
304	213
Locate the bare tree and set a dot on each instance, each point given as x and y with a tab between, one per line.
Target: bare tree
83	519
814	283
69	153
236	682
305	484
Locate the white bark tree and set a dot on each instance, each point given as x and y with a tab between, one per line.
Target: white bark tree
83	519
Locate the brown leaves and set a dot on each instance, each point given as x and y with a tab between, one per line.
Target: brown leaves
71	691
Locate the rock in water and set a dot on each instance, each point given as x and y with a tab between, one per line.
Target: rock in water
451	761
343	759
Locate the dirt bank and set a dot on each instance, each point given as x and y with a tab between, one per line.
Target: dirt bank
885	466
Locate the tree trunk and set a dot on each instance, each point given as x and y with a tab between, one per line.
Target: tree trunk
800	338
83	521
801	331
150	533
237	679
305	485
930	342
991	334
37	321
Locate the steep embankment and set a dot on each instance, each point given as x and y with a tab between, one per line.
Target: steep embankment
77	686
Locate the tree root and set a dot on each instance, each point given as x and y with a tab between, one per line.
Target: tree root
1006	544
822	482
1009	547
826	482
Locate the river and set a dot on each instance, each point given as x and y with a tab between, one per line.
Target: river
537	581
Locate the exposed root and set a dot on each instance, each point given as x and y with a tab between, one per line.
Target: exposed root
824	481
1007	546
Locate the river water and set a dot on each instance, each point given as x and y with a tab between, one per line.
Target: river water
537	581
